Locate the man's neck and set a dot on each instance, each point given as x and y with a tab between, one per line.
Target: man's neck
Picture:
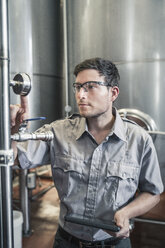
100	127
100	123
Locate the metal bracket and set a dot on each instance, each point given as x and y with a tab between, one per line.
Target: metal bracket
6	157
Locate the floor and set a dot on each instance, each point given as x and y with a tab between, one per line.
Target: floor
44	221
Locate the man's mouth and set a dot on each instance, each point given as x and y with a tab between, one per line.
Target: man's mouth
83	105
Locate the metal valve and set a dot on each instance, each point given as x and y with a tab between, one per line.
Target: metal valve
24	135
45	136
21	84
24	124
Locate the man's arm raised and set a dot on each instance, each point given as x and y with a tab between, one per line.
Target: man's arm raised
18	113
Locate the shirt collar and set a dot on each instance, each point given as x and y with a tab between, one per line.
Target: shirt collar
82	127
118	128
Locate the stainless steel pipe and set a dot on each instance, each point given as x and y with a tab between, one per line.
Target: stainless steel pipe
156	132
24	197
6	220
32	136
65	31
150	221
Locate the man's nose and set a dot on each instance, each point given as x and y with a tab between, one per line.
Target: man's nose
82	92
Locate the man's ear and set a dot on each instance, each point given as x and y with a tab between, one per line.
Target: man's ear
115	93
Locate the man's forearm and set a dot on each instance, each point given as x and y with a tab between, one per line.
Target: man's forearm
14	147
140	205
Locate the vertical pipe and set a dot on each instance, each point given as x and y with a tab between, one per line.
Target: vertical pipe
5	147
67	107
21	60
24	196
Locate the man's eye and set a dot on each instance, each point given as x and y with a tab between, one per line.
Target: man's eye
90	86
78	87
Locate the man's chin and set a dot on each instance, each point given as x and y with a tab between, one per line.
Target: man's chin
84	114
88	115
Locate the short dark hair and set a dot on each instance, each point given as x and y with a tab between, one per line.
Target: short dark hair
105	68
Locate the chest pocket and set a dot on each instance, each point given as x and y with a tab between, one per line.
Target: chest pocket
67	174
121	181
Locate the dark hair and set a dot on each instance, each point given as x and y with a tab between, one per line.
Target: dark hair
105	68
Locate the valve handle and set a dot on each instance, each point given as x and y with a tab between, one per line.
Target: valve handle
36	118
23	126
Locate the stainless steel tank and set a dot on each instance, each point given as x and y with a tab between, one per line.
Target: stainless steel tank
130	33
36	47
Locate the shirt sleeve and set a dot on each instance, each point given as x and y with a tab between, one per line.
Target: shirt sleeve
33	153
150	178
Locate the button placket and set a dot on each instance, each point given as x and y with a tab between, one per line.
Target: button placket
93	182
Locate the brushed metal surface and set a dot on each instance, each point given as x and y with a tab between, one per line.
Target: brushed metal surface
130	33
142	86
36	48
20	41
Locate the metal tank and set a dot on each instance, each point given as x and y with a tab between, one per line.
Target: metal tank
48	89
130	33
36	48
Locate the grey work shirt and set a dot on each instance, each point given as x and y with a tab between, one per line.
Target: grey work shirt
95	180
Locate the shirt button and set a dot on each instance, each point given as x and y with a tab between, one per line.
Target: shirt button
124	174
117	205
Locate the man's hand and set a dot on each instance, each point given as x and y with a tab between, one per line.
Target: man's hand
18	113
140	205
123	222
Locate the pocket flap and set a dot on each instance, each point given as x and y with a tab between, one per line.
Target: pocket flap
123	170
67	164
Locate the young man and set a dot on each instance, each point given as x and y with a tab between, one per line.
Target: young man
99	161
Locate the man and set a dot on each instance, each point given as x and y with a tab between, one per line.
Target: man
99	161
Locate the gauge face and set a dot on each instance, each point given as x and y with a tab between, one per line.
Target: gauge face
22	84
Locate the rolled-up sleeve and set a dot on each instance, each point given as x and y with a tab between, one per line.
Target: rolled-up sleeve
33	153
150	178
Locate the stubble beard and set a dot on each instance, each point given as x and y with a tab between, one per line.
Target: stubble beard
92	115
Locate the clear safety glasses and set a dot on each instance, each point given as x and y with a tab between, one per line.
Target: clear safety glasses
88	86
